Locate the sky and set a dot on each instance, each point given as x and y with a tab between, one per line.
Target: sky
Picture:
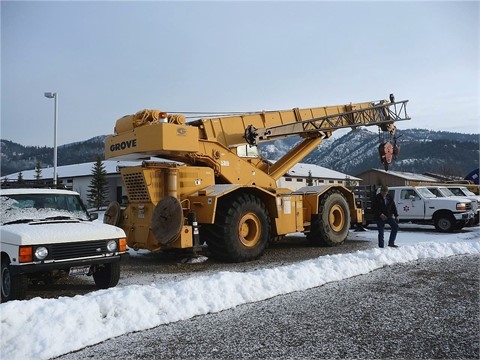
44	328
106	59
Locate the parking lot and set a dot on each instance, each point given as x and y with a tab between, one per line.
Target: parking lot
144	267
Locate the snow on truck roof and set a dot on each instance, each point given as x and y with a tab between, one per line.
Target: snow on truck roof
36	191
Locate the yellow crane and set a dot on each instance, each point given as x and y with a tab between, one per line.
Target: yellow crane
213	186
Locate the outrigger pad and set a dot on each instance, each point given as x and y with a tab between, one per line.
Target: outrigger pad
167	220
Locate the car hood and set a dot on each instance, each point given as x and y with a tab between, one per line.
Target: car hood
57	232
446	200
461	198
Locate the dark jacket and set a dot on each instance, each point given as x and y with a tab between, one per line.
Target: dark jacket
379	207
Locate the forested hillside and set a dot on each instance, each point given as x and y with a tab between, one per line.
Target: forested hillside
15	157
421	151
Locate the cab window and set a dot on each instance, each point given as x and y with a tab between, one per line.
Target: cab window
247	151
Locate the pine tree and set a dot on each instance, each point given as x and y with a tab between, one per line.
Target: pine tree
20	178
38	171
98	186
309	179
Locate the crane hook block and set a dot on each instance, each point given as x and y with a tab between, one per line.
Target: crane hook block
386	153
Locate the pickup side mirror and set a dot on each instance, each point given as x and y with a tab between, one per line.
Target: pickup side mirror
93	216
412	197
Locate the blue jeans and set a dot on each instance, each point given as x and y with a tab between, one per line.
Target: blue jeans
381	229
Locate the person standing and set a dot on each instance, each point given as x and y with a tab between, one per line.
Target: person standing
385	213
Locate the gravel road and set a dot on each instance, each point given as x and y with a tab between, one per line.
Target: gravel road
419	310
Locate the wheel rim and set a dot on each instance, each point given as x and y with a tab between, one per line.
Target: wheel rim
444	224
6	283
249	230
336	218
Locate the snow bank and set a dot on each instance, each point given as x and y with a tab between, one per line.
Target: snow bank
45	328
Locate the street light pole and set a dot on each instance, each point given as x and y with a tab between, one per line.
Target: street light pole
54	95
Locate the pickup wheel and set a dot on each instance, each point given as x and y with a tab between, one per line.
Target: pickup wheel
472	222
330	227
14	287
241	230
459	225
444	222
107	275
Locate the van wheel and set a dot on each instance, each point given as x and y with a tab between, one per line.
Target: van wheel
444	222
330	227
107	275
14	287
241	230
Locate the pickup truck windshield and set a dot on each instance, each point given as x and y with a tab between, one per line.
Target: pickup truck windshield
17	208
426	193
462	191
446	192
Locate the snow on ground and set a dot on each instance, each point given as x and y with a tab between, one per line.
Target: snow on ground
44	328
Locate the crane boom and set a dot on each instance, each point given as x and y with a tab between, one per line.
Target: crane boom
215	142
356	115
254	128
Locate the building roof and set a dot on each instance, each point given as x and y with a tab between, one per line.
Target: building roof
405	175
302	170
74	170
85	169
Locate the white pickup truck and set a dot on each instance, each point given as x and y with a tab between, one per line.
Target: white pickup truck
416	204
463	191
48	233
443	191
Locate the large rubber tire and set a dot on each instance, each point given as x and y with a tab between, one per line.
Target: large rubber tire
107	275
330	227
14	287
444	222
241	230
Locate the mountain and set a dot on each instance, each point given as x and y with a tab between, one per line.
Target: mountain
16	157
421	151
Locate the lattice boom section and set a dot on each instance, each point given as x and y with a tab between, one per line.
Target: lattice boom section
136	187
